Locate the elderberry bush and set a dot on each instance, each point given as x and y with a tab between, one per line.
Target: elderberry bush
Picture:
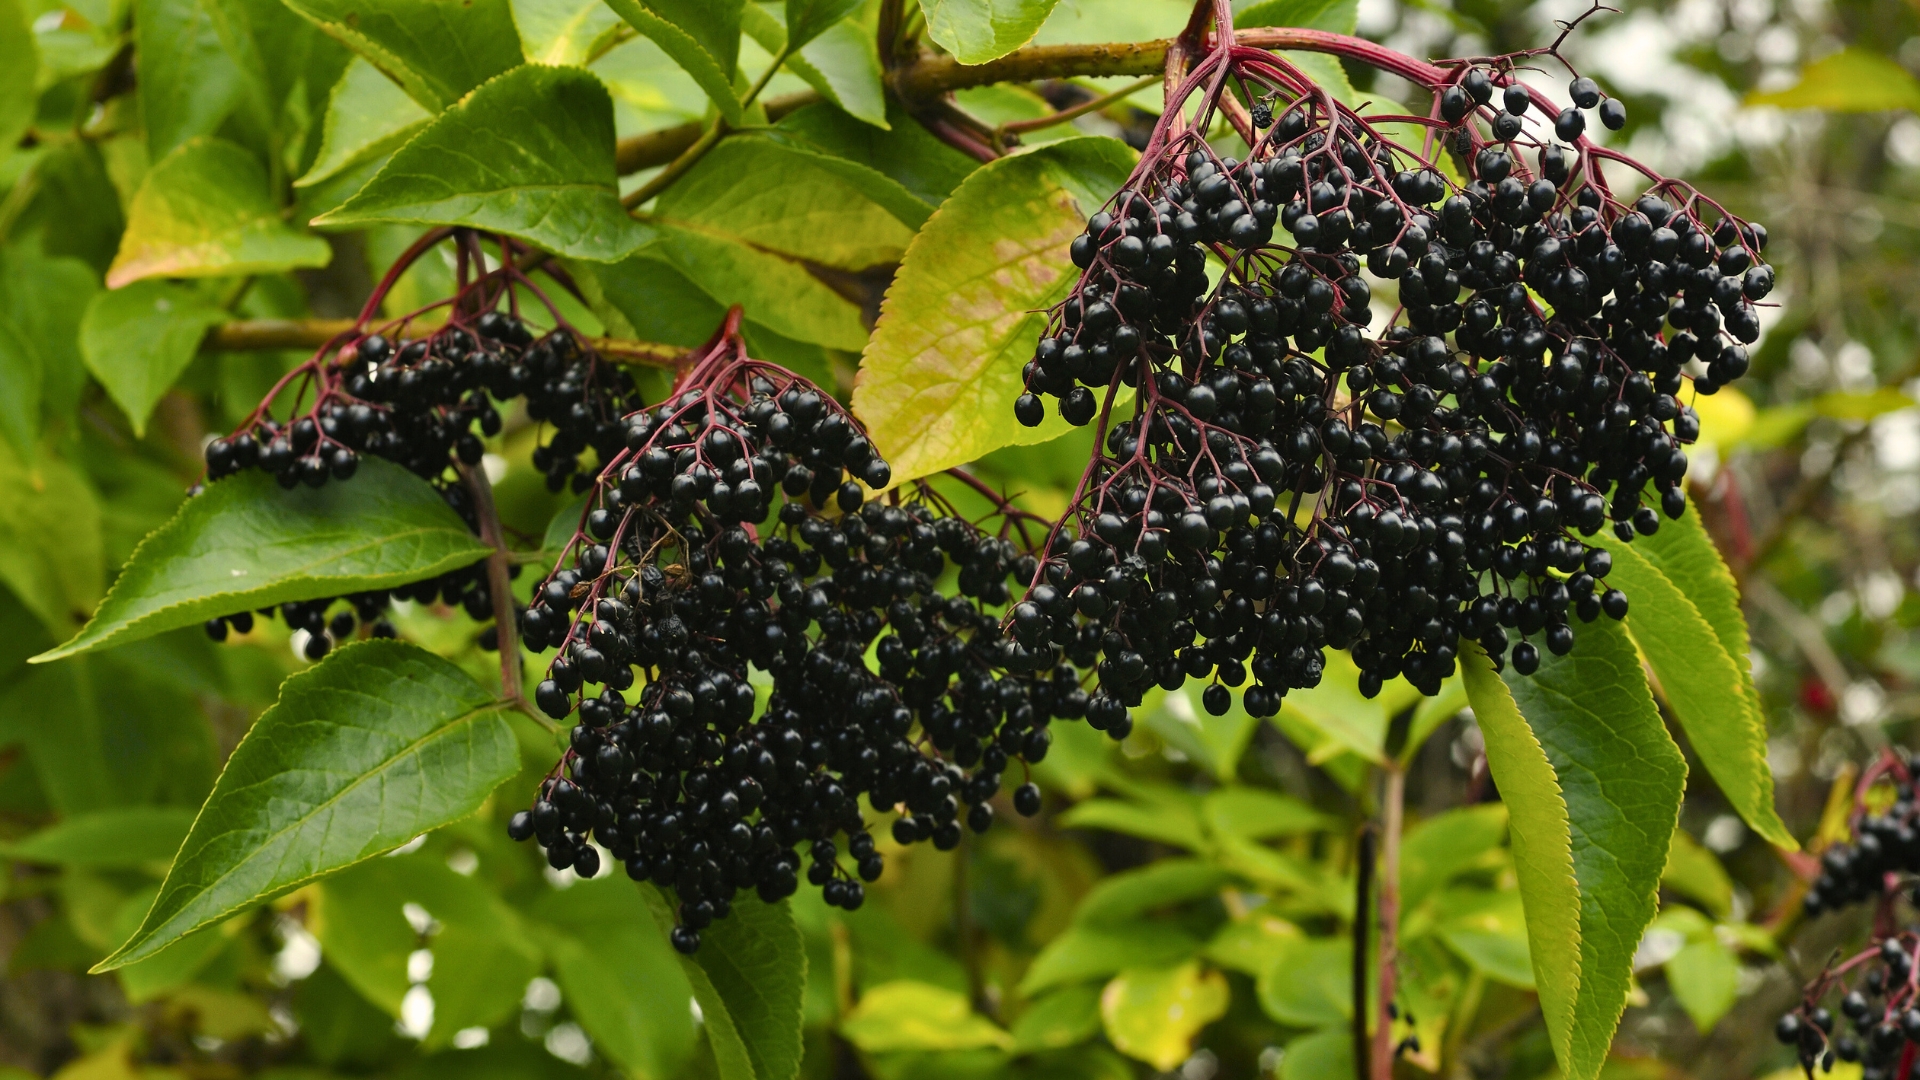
1288	477
679	583
1878	1002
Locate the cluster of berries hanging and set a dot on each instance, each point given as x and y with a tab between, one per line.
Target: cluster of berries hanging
1879	1000
424	404
695	780
1294	472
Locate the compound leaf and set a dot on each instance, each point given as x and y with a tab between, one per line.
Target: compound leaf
138	340
962	316
244	543
205	211
436	49
529	154
373	746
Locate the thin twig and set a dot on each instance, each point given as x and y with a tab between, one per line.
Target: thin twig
499	584
244	335
1362	910
1019	127
1394	813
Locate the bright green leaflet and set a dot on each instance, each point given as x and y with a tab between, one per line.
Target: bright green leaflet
808	19
138	340
1684	553
1622	779
1851	80
368	115
940	373
529	154
436	49
1339	16
1318	1056
205	210
45	298
1088	951
1487	928
1138	819
1310	984
842	64
1694	872
826	210
1444	845
779	294
373	746
1705	977
127	837
19	68
189	84
244	543
620	978
909	1015
1541	840
1708	689
905	151
1133	893
976	31
562	31
1062	1018
727	1036
22	377
702	36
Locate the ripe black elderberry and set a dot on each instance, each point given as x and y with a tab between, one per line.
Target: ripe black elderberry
1287	478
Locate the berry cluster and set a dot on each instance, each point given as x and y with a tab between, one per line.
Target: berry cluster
1886	843
1882	1006
1295	474
679	582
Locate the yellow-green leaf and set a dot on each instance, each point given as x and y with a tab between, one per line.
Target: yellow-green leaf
1851	80
205	210
907	1015
1152	1014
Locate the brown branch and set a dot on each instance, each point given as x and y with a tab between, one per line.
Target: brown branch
243	335
650	149
499	584
1394	813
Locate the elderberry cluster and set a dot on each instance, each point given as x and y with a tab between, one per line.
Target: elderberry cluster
1880	1007
680	583
1290	478
1883	843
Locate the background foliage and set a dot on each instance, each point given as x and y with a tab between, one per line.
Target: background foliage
1185	904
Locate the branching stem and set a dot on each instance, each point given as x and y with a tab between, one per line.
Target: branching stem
499	584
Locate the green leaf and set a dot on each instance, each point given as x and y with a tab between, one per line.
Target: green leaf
963	314
19	72
976	31
1152	1014
1126	896
1851	80
376	744
1621	779
1257	814
808	19
905	151
1488	929
843	65
1542	843
205	211
529	153
825	209
1251	944
1096	950
1213	742
621	980
1338	16
1440	848
702	36
482	957
437	50
134	836
45	299
1705	978
1319	1056
244	543
49	539
750	978
778	294
1679	585
1694	872
189	84
1157	823
907	1015
368	116
22	376
138	340
1344	718
172	966
562	31
1311	984
1064	1017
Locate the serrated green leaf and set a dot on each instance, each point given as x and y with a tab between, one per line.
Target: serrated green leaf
938	378
562	31
529	153
908	1015
702	36
1711	690
19	72
905	150
1339	16
1621	778
368	116
619	977
844	66
22	376
482	955
138	340
132	836
172	966
777	294
825	209
1153	1013
436	49
1541	839
808	19
49	538
753	1030
976	31
188	82
244	543
376	744
205	211
1852	80
1097	950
